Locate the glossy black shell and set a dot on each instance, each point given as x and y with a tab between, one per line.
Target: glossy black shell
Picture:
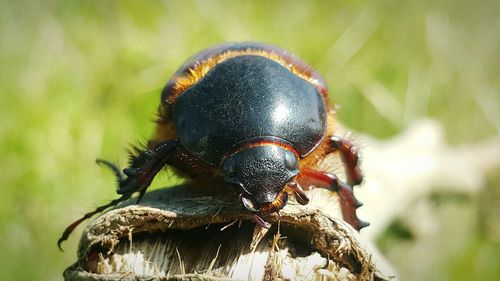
248	98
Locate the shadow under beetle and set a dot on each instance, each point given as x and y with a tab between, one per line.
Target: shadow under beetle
250	116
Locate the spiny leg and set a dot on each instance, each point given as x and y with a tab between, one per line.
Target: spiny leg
349	155
143	167
348	203
99	209
113	167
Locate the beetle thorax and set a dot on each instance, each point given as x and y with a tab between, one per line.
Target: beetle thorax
248	98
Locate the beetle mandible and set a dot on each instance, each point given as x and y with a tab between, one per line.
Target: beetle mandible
250	116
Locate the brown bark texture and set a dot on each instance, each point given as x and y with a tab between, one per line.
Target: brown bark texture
181	233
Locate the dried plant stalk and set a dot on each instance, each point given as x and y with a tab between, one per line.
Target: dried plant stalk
182	234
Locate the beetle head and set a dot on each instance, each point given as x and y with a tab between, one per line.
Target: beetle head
261	172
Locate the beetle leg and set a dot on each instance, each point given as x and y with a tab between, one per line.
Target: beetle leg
143	167
260	221
348	203
274	207
120	177
300	195
99	209
114	168
248	204
349	155
141	194
278	214
136	178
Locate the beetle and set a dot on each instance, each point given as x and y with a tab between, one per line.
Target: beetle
247	116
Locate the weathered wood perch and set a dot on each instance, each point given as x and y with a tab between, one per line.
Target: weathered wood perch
182	234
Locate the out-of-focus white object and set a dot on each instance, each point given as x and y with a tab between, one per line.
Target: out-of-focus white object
413	164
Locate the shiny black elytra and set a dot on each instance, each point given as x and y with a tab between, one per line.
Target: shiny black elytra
229	107
247	117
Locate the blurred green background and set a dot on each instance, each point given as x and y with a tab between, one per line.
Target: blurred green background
81	80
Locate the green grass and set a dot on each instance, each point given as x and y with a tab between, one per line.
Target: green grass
81	80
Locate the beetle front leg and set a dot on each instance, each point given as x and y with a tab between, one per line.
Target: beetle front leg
143	167
348	203
349	155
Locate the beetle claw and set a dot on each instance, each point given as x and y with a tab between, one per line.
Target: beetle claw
362	224
261	222
278	214
299	193
357	203
348	204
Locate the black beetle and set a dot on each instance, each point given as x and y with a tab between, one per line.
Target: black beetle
250	116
